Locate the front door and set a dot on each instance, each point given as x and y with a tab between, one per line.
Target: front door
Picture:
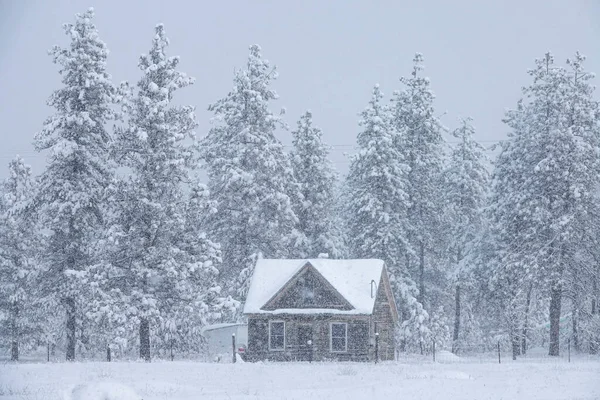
305	342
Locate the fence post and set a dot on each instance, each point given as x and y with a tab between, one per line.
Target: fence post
172	357
499	362
310	351
108	355
48	355
233	346
569	348
434	350
376	347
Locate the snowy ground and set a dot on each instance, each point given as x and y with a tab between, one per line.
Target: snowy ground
194	380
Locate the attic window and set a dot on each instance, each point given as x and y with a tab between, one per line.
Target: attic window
307	291
339	337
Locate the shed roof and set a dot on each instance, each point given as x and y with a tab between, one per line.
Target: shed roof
351	278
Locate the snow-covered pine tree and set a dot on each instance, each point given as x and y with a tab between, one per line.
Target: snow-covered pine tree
466	182
583	119
544	188
18	268
250	177
317	183
505	265
377	202
419	141
376	206
564	177
71	189
154	259
205	302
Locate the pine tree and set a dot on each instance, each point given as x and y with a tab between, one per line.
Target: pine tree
507	268
250	177
583	120
563	180
317	181
466	181
204	302
376	206
71	189
156	259
18	267
377	201
419	140
545	187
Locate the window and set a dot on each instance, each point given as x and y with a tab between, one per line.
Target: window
276	335
307	291
339	336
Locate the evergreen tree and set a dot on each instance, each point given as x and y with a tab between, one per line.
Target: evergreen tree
583	118
466	182
317	181
564	177
546	209
507	267
250	177
419	140
377	202
376	208
71	189
204	303
18	267
156	259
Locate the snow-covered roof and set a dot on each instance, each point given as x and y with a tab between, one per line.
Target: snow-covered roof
208	328
351	278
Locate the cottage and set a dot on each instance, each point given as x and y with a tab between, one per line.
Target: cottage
320	309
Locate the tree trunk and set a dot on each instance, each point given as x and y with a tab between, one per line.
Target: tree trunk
516	344
71	328
145	339
555	305
422	273
14	332
594	340
14	351
575	333
456	321
526	323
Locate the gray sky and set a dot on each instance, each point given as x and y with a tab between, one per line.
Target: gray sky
328	53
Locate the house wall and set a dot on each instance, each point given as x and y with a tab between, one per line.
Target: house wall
358	341
383	322
218	340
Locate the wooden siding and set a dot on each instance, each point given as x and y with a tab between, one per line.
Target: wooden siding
383	322
357	338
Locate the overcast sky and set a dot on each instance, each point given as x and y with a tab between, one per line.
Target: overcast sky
329	55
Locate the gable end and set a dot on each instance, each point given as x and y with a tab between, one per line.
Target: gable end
307	289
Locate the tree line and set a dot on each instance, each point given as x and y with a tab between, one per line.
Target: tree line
119	245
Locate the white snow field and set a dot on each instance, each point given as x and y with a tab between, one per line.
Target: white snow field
348	381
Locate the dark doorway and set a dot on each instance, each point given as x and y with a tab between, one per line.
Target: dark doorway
305	342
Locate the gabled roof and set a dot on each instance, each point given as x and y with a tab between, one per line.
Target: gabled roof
350	278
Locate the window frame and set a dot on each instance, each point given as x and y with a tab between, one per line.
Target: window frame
338	337
277	321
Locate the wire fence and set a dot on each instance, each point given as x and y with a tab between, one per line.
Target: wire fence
499	353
